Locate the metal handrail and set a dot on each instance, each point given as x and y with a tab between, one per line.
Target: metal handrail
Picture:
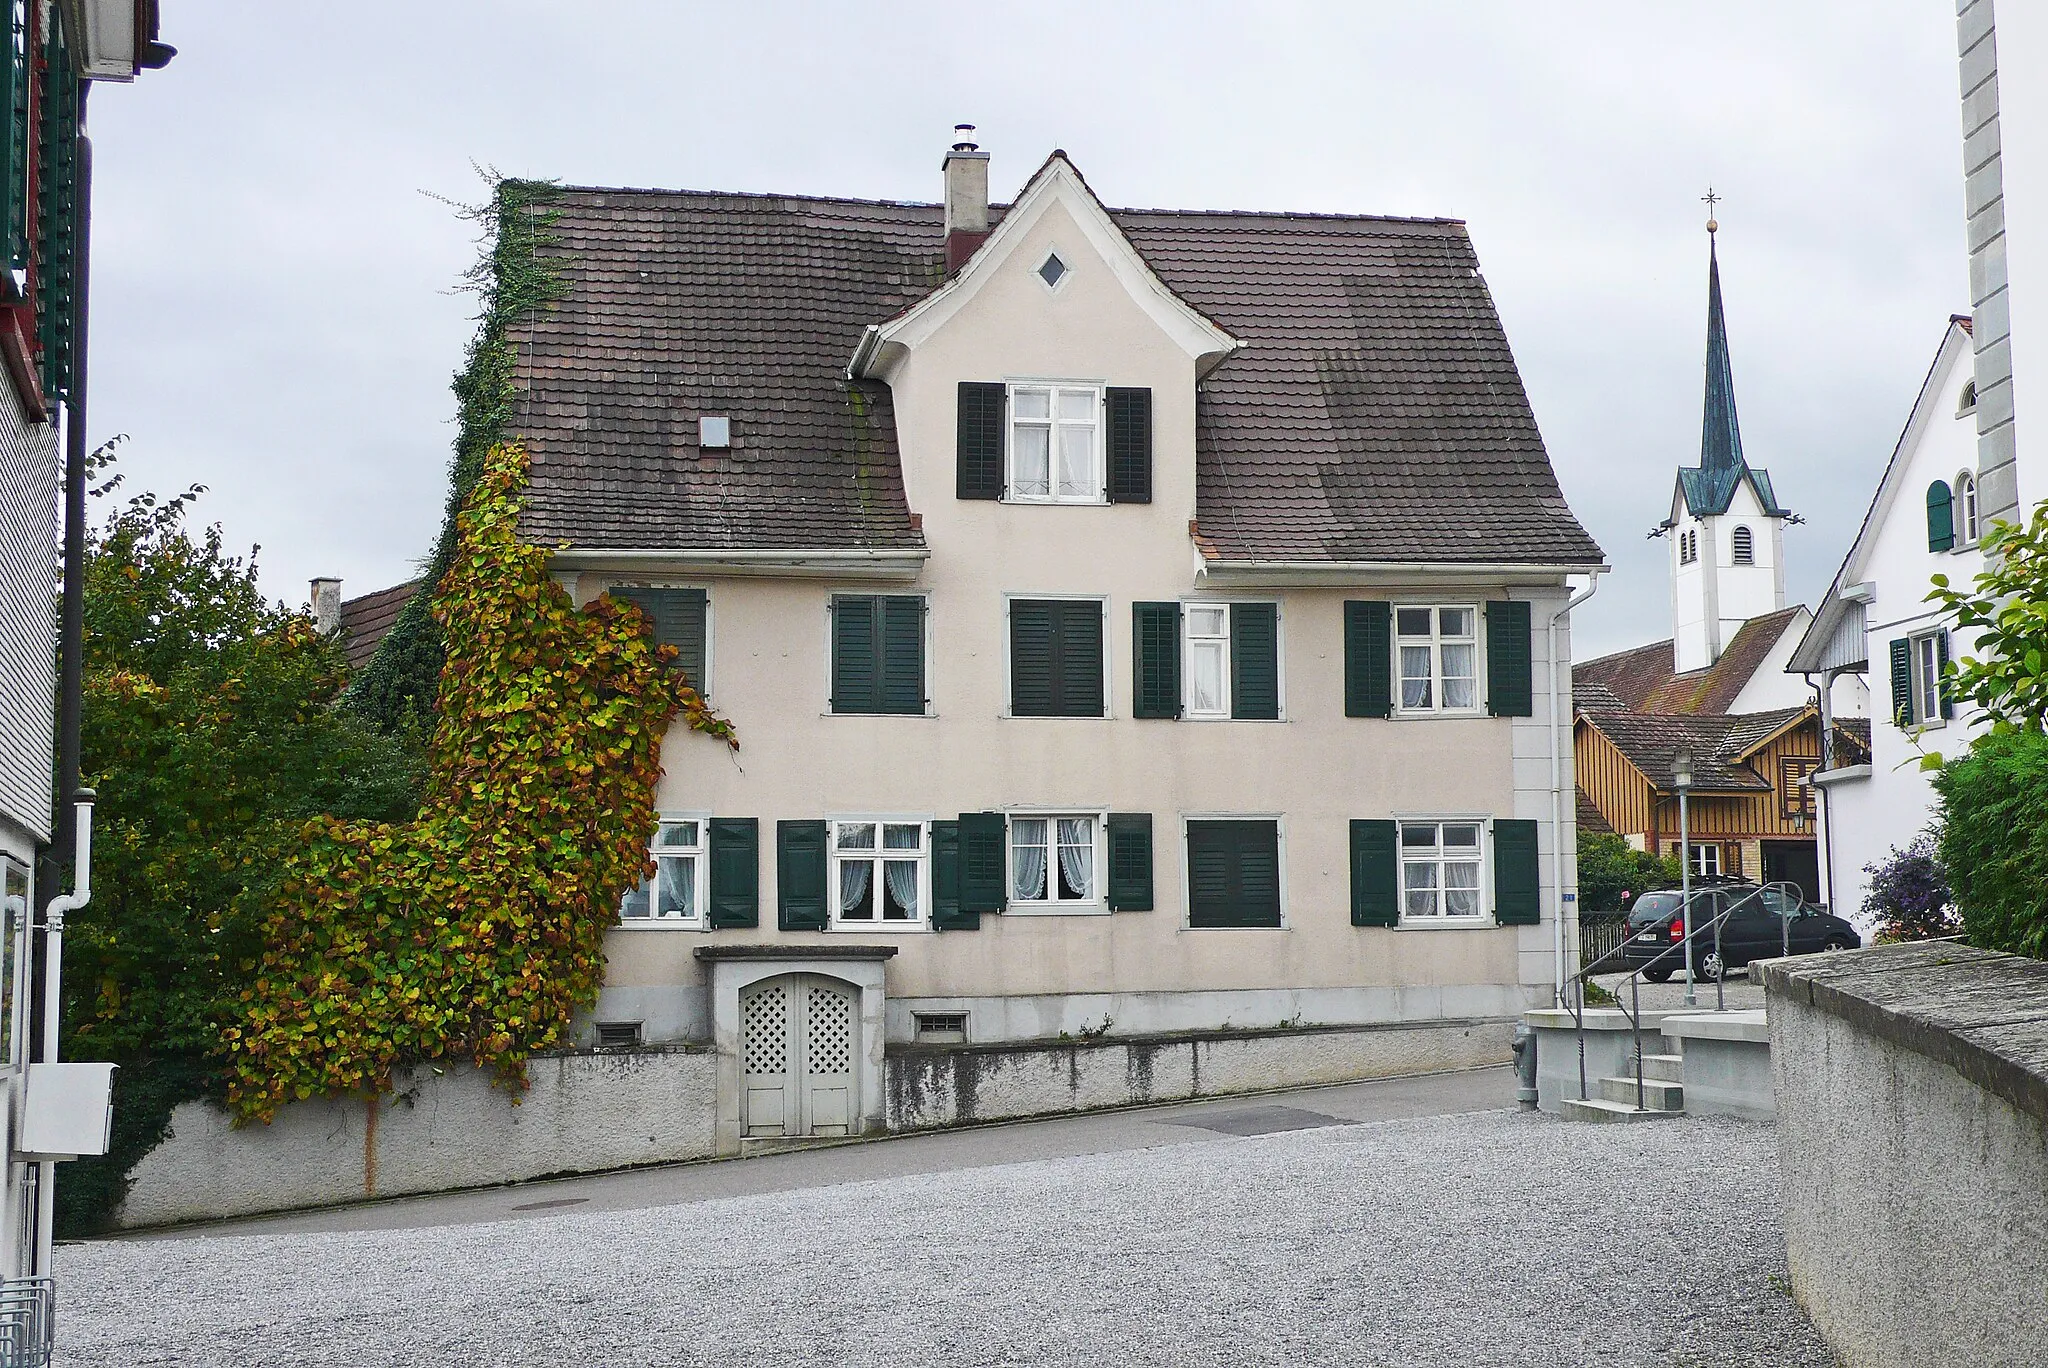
1575	1001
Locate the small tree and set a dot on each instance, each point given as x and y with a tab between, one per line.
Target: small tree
1994	840
2006	673
210	734
1611	871
1909	894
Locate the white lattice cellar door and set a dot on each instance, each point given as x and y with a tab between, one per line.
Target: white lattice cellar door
768	1053
831	1045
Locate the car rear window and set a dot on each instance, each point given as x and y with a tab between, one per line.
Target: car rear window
1654	907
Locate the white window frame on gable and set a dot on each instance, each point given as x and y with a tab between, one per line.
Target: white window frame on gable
1062	840
1434	645
1966	510
1926	648
1443	875
681	851
843	835
1066	271
1051	413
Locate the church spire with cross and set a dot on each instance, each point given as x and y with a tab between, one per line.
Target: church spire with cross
1726	525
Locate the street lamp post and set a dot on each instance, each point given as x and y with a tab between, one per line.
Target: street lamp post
1681	779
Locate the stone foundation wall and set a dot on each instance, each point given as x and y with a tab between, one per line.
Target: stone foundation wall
948	1085
442	1130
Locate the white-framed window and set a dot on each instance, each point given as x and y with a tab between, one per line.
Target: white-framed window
1927	679
1966	510
1056	862
1443	872
680	890
1706	859
1743	549
1967	404
881	872
1206	647
1055	448
1688	547
1438	650
1053	270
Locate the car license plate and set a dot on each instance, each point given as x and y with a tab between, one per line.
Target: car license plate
1647	936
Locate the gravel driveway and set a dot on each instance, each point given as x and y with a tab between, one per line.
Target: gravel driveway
1494	1238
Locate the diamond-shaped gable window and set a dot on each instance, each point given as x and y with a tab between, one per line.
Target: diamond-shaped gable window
1053	271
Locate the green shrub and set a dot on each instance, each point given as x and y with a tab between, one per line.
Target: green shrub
1994	840
1609	868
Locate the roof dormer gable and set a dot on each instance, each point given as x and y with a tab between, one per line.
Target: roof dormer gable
1058	232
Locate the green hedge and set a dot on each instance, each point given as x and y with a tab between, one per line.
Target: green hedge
1994	840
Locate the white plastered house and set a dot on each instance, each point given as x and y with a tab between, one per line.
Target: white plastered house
1924	520
1139	625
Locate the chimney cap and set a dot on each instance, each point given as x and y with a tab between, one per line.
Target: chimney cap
963	138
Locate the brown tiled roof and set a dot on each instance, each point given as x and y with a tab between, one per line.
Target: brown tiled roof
1376	414
365	620
1644	680
1589	814
1648	740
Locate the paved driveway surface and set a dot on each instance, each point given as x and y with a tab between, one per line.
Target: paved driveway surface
1269	1236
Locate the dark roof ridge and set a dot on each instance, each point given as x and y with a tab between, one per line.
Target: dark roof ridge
1286	215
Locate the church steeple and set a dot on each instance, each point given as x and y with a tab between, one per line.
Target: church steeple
1726	525
1721	435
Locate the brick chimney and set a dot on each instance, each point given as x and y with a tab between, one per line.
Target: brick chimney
966	198
326	601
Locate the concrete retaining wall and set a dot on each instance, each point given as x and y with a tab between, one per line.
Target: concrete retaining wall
936	1086
1912	1086
584	1113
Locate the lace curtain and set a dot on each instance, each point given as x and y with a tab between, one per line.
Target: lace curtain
1077	856
1027	859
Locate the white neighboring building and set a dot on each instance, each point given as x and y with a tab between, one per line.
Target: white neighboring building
1923	521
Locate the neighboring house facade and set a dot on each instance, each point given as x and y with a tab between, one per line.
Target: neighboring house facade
1718	688
2005	186
1925	519
1136	622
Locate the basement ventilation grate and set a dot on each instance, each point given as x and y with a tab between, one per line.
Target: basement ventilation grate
941	1028
618	1035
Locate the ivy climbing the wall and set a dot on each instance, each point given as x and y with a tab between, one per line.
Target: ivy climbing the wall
476	930
395	691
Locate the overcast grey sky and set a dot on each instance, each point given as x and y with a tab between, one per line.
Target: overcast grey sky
273	305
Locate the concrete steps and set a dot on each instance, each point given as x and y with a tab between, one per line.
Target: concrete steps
1669	1067
1599	1109
1658	1094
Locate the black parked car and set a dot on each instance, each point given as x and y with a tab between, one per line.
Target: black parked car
1762	921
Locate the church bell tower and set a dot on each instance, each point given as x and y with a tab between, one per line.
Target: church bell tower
1726	529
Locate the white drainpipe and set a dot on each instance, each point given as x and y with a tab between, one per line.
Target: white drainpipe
1560	682
53	1002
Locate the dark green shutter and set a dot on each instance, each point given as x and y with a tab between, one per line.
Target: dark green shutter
1155	660
1130	861
1255	661
1080	659
1948	702
1055	658
14	141
1941	519
982	860
678	619
1233	873
1032	667
57	208
980	473
856	679
947	914
903	654
735	871
1375	874
1902	682
1517	874
1129	443
800	876
1510	689
1368	658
